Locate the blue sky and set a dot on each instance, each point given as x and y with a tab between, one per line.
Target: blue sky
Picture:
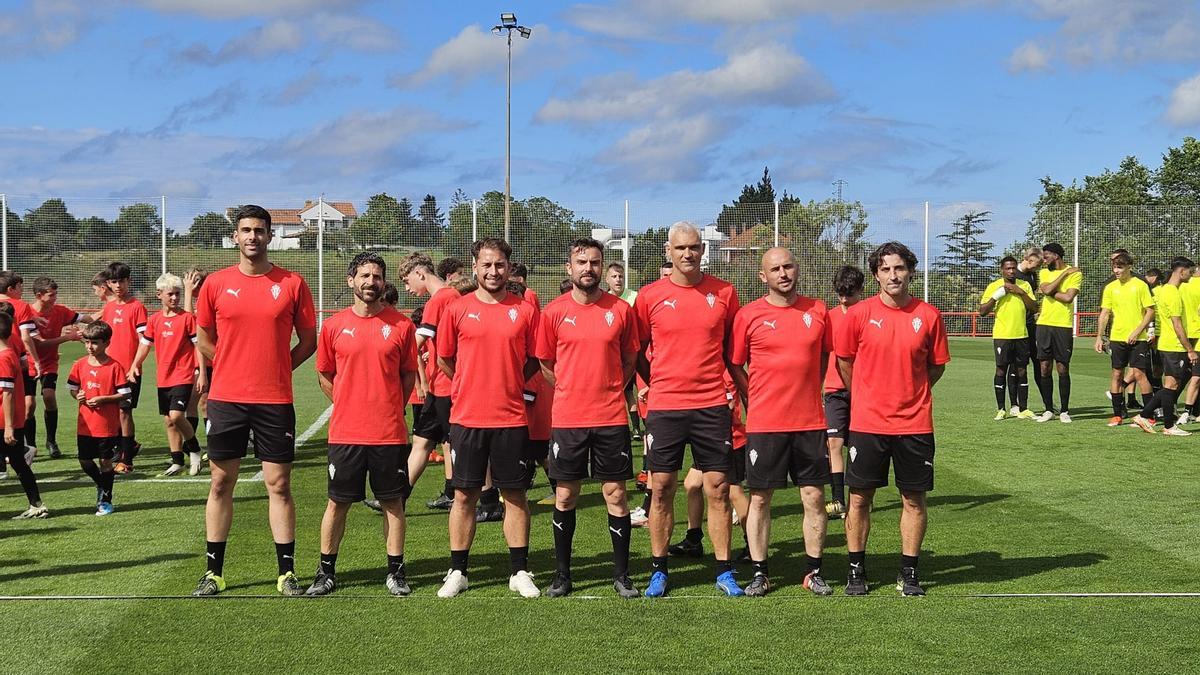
672	104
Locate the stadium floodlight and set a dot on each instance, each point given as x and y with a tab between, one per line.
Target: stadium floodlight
508	23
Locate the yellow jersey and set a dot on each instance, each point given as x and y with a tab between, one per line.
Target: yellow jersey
1054	312
1190	292
1168	303
1010	311
1128	302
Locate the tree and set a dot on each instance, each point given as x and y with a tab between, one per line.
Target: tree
967	255
209	230
755	205
383	223
646	254
98	233
49	228
427	231
138	226
1178	178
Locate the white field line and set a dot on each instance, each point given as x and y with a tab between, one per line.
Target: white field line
676	598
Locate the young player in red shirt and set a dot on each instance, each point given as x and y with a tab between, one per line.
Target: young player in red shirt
891	351
485	344
848	286
366	366
246	314
179	371
433	425
59	327
97	381
127	317
588	347
685	318
24	342
783	340
12	415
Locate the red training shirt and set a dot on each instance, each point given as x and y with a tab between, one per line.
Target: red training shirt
366	358
12	382
435	309
833	377
128	322
540	411
98	380
57	318
490	343
254	317
892	350
23	322
174	340
737	415
687	326
587	344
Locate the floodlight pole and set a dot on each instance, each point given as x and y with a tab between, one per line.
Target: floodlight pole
163	227
508	142
4	231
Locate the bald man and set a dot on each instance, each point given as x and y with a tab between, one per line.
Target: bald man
685	319
780	348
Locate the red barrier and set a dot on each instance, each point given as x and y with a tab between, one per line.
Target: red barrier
972	324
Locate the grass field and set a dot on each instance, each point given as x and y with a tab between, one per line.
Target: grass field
1019	508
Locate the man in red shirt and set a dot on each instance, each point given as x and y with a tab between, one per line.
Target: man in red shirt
59	328
685	318
24	342
432	427
366	365
179	371
785	340
588	346
848	286
127	316
485	345
246	314
891	350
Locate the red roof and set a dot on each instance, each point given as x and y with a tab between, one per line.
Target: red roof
756	236
345	208
284	216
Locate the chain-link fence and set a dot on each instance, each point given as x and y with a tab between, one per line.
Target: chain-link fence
959	244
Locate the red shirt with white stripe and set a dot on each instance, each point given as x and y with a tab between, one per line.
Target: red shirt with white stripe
128	321
435	309
490	343
57	318
785	348
892	350
174	341
12	382
106	379
833	377
367	357
23	322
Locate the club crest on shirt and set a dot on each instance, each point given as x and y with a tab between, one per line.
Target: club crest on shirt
711	300
753	457
386	331
807	320
275	291
512	314
608	318
916	324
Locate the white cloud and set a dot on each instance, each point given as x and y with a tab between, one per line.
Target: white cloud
1184	109
476	52
763	75
46	25
1124	31
289	36
305	85
233	9
1029	57
667	150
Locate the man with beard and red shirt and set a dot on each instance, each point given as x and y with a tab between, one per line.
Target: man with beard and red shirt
685	318
588	346
785	340
127	316
485	345
246	314
891	351
367	366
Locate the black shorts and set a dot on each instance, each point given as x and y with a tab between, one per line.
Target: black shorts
1031	341
434	422
602	453
1196	365
174	398
1014	352
93	447
1125	355
30	384
870	454
1054	343
273	424
537	450
737	473
135	395
772	458
505	449
351	465
1176	365
49	381
709	430
837	413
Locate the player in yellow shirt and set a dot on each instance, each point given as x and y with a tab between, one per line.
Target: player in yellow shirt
1128	303
1012	300
1175	350
1059	284
1190	292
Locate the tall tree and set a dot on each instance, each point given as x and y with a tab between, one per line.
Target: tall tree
139	225
755	205
429	224
1179	176
382	224
50	228
967	254
209	230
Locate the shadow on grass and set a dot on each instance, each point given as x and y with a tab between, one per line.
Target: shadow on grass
151	506
87	568
993	566
36	531
963	502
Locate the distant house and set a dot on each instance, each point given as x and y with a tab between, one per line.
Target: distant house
750	242
288	224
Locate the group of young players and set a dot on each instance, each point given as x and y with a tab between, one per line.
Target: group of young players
499	373
1148	324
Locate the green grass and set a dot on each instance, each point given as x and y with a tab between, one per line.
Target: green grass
1019	508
